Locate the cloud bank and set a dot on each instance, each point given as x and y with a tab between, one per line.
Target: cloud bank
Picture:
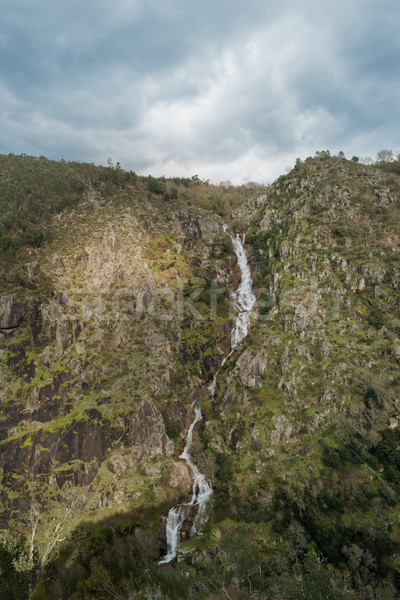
225	89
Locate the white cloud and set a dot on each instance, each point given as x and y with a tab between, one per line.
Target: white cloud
225	90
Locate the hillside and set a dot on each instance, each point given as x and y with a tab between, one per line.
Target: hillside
115	314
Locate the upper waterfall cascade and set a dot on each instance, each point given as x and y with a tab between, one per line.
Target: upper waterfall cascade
243	297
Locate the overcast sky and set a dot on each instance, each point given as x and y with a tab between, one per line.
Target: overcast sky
226	89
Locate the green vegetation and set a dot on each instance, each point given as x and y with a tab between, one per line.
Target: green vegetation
301	441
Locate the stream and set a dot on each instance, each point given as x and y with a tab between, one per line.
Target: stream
202	490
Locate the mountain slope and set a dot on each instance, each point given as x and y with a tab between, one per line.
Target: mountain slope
112	330
307	412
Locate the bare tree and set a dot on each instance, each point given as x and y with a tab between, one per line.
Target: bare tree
385	156
47	532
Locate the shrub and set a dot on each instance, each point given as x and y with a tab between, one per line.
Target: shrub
156	186
224	472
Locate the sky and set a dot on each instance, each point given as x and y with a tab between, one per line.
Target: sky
224	89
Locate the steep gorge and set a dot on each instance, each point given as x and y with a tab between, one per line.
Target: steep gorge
113	330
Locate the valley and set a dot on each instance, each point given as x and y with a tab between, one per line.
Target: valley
127	309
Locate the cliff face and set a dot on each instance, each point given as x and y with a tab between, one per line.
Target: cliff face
102	342
110	333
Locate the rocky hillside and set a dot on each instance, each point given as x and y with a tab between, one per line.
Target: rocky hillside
114	317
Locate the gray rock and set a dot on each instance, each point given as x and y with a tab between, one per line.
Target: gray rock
266	221
162	529
326	348
329	395
229	396
284	360
282	431
149	432
11	312
63	298
251	369
396	352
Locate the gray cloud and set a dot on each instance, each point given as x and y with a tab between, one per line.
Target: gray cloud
226	89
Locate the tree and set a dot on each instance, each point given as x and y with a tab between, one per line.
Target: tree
323	153
173	193
17	565
156	186
297	163
315	580
385	156
54	529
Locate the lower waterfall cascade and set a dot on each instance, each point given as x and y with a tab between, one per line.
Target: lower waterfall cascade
201	492
244	303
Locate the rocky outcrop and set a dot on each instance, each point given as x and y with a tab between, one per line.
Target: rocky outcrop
41	453
11	312
396	351
282	431
251	369
75	453
61	322
180	475
148	432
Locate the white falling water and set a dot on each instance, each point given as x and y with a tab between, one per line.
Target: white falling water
200	495
244	297
244	302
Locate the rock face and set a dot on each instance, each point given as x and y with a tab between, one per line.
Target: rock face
282	431
251	369
81	447
101	349
83	442
148	432
180	475
11	312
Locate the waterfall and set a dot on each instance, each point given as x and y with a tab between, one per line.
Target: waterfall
200	495
201	492
243	297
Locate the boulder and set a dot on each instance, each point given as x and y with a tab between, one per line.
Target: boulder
284	360
396	352
180	475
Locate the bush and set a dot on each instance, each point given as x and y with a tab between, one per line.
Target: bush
224	472
340	230
330	457
33	235
171	583
156	186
